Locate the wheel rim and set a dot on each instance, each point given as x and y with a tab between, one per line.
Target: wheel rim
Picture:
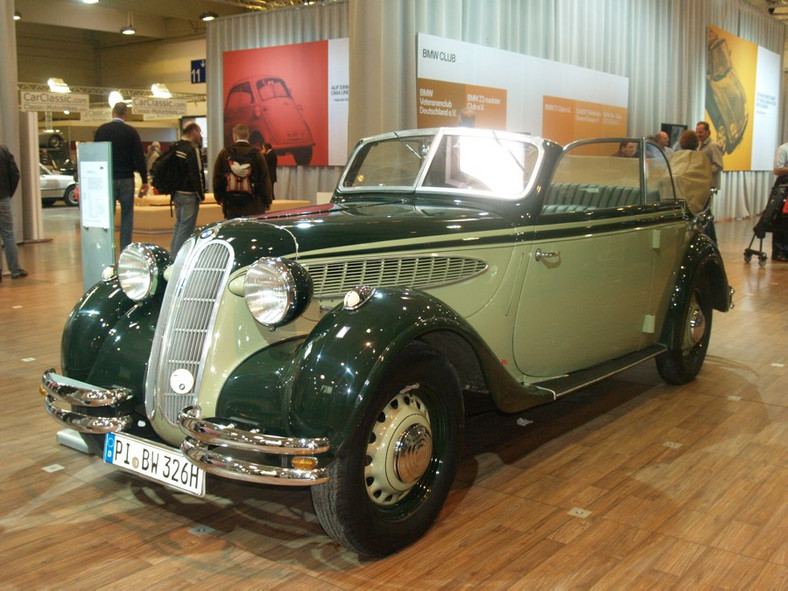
399	450
695	327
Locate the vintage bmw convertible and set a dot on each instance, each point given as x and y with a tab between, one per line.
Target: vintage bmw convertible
333	347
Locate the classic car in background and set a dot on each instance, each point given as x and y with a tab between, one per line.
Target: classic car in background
56	186
265	104
331	347
726	100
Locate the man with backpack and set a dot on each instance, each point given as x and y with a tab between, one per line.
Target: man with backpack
179	174
241	182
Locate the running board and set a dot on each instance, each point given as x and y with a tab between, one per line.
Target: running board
558	387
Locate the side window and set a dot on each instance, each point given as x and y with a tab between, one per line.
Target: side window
596	175
239	96
659	186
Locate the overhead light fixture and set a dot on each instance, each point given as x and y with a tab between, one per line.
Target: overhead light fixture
90	1
17	15
160	90
208	16
57	85
129	29
114	98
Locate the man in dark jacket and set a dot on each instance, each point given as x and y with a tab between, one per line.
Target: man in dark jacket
191	185
127	157
9	179
272	161
241	182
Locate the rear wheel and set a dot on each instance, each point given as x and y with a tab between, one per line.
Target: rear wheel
391	481
682	363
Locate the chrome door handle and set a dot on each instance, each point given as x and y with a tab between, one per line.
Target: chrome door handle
540	254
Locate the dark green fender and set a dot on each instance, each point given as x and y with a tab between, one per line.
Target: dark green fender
702	261
319	386
107	337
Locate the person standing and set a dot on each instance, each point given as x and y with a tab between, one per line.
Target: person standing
127	157
241	180
152	155
663	139
712	150
9	180
191	185
272	162
780	237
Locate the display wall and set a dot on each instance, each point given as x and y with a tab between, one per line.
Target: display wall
659	46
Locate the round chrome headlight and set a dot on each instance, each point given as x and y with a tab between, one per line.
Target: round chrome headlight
140	267
276	291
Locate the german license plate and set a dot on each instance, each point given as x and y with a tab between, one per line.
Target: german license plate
156	462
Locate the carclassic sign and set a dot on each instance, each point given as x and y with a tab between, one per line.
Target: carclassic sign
159	106
37	100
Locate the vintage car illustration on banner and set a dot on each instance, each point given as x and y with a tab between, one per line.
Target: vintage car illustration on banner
726	100
265	104
332	347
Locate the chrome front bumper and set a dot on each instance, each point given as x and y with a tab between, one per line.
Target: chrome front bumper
223	450
60	390
218	448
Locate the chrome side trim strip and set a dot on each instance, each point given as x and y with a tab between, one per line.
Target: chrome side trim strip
214	461
210	433
80	393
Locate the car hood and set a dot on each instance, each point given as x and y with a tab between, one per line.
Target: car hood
356	228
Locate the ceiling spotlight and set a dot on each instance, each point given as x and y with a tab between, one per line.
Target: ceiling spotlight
17	15
90	1
114	98
129	29
57	85
208	16
160	90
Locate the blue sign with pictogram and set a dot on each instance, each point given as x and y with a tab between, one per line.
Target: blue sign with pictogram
198	71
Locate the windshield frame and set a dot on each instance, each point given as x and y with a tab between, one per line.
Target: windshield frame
438	136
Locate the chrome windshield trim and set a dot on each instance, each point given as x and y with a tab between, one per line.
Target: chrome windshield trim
211	433
80	393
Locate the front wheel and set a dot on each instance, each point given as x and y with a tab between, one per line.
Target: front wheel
681	363
303	156
70	196
390	483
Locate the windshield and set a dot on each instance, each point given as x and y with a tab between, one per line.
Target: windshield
483	163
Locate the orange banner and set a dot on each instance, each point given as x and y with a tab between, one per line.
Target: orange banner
566	120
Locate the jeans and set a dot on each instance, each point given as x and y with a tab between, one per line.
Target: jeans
7	233
186	207
123	190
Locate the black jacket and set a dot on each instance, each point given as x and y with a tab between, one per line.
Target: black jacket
127	154
232	206
189	163
9	173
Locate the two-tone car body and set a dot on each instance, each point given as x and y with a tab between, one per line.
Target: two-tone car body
331	347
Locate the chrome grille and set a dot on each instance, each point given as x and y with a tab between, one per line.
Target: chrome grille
335	278
183	332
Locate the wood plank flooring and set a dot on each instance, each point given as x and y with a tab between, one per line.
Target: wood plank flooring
684	487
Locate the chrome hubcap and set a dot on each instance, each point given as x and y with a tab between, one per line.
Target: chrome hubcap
399	448
696	325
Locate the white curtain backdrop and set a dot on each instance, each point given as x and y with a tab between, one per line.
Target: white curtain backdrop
660	45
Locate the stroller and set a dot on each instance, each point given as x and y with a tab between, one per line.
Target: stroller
772	219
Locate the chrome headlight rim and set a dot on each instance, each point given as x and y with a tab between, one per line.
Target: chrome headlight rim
140	270
276	291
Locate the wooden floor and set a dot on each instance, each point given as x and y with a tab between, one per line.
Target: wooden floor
628	484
